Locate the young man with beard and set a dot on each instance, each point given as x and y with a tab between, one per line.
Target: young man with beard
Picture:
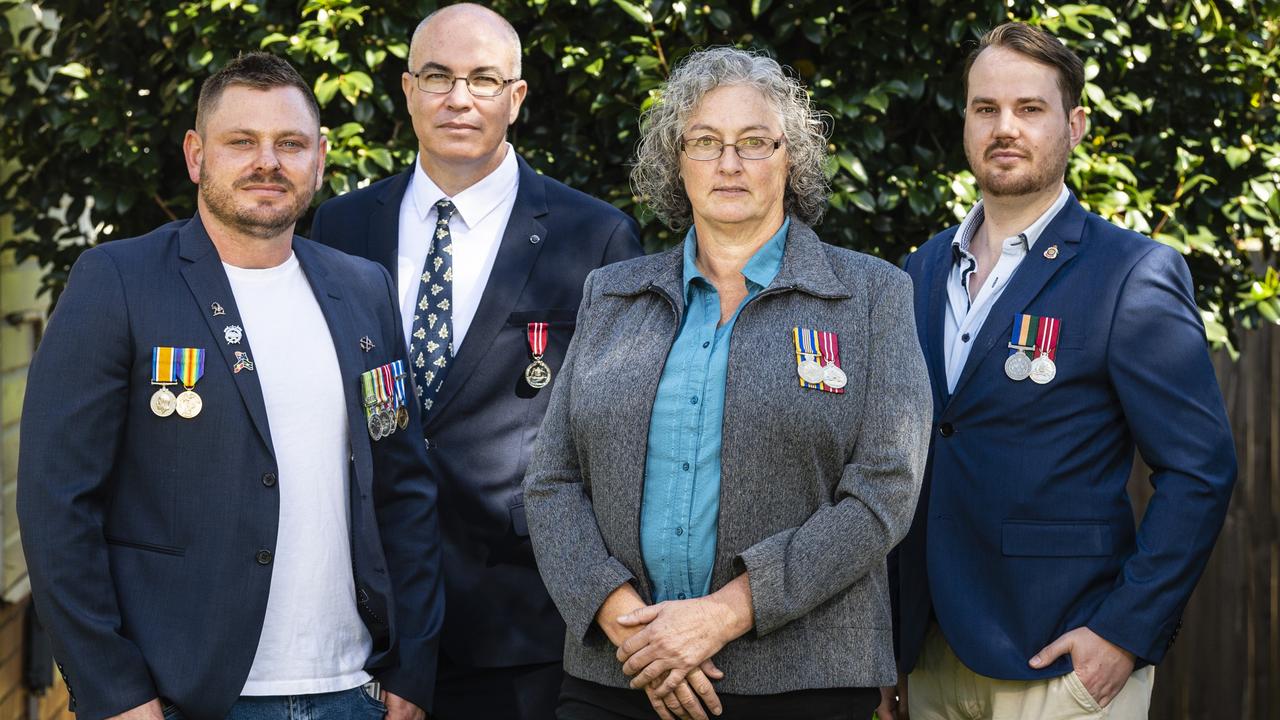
243	549
1057	343
490	258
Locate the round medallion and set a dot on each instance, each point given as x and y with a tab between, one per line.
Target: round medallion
402	417
163	402
189	404
1018	366
833	377
375	425
1043	370
538	374
810	371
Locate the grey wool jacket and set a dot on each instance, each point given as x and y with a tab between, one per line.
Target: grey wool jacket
815	488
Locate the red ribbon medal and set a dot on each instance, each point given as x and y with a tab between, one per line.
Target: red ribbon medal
538	374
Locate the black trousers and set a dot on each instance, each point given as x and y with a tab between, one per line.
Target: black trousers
582	700
523	692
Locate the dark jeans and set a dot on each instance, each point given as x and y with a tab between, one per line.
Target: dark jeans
582	700
353	704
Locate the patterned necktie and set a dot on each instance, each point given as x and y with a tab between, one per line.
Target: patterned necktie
431	344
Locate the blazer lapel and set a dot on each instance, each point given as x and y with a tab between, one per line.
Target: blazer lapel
345	335
208	282
938	271
383	240
516	257
1032	275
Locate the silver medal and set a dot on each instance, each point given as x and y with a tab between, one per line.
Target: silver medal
1018	366
833	377
1043	370
810	371
163	402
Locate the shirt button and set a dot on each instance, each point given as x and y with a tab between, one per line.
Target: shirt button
706	344
964	337
684	466
679	531
693	400
679	596
269	479
264	557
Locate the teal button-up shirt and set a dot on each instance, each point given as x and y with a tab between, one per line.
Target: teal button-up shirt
681	503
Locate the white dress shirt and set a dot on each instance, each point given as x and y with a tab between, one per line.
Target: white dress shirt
476	227
965	318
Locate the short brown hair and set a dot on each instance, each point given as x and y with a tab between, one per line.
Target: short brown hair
1039	46
258	70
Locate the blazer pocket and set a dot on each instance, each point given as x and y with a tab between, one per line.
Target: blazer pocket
519	523
149	547
1055	539
554	316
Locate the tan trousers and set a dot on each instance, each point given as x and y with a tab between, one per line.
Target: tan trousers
942	688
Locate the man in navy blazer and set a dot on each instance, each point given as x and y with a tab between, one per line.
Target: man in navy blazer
1057	343
237	545
490	260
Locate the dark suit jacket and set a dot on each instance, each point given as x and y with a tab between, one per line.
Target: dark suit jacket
1024	528
148	538
486	417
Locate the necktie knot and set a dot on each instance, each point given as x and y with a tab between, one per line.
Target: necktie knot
444	211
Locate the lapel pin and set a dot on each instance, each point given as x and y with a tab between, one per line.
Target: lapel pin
242	362
1051	252
217	310
232	334
366	344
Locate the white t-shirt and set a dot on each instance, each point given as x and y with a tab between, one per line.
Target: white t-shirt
312	638
477	227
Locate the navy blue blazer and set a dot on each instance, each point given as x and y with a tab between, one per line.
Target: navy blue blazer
1024	528
481	430
150	540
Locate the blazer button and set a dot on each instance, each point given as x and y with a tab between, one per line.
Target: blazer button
362	596
264	557
269	479
427	442
946	430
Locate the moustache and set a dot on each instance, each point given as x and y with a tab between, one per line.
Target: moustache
275	178
1004	145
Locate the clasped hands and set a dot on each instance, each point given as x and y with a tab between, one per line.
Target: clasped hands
667	648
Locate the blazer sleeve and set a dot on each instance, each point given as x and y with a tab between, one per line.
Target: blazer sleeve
623	244
794	571
572	556
1175	413
73	422
405	499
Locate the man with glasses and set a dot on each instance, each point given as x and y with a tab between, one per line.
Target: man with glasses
490	259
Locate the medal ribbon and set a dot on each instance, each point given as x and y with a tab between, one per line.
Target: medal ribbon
1047	337
829	346
367	393
391	400
164	365
806	347
397	371
192	366
1023	327
537	339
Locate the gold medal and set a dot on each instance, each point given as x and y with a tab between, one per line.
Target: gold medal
189	404
538	374
402	417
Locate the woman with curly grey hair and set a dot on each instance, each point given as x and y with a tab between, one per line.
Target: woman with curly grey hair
737	436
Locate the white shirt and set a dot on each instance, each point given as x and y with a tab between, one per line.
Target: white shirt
964	318
312	638
477	226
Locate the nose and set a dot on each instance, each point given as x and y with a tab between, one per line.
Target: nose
1006	125
729	163
459	96
267	158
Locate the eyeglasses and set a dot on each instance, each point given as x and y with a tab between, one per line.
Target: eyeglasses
707	147
479	84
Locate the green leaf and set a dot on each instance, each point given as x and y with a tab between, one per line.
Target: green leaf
721	19
75	70
382	157
636	12
1237	156
325	88
759	6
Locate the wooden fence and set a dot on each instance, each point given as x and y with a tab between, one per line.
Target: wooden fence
1226	660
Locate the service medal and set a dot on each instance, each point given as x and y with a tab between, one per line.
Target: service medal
1017	366
163	402
834	377
538	373
402	417
189	404
1043	370
375	426
810	371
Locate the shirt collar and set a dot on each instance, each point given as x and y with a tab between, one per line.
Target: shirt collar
759	270
1019	244
476	202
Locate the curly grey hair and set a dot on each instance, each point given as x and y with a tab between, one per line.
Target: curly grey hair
655	177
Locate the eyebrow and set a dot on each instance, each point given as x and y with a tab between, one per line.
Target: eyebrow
1019	101
703	126
429	65
257	133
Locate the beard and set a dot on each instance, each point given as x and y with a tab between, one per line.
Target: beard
1042	173
254	219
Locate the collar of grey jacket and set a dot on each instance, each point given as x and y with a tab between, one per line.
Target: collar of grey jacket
805	267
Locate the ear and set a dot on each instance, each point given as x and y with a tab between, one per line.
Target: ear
519	89
406	85
1078	123
324	152
193	154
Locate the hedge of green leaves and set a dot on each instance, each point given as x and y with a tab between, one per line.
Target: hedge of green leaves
1184	141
